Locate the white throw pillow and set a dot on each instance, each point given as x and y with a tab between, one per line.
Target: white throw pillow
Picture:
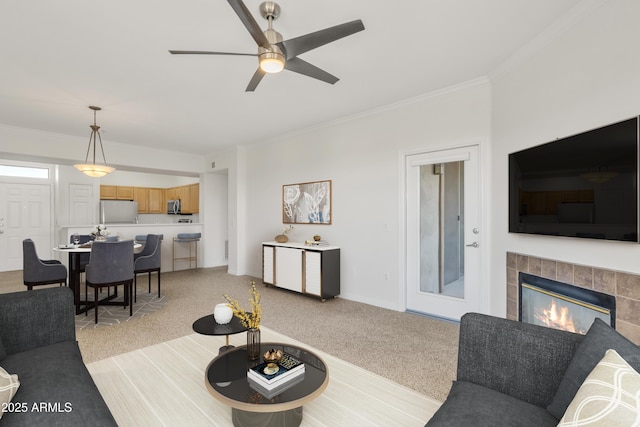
8	386
609	396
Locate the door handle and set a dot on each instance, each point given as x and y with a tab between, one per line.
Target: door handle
473	245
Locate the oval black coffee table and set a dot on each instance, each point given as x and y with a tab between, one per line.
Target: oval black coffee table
226	380
208	326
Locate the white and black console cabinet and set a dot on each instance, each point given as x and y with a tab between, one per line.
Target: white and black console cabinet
308	269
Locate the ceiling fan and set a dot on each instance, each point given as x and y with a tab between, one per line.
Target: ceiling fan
274	53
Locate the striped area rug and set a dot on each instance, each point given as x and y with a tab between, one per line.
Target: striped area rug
164	384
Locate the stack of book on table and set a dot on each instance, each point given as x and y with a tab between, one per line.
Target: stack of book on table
271	379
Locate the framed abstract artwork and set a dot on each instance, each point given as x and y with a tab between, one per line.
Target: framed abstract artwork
307	203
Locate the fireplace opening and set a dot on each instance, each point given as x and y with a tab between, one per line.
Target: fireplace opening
562	306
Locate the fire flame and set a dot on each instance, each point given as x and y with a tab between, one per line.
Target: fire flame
557	318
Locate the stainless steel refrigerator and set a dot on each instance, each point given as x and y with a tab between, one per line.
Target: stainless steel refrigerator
118	212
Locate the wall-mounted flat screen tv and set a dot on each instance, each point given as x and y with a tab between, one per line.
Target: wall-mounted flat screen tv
584	185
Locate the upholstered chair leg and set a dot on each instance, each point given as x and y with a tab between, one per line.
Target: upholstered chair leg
95	293
158	284
135	287
130	299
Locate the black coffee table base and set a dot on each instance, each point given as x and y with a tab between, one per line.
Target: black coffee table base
226	347
290	418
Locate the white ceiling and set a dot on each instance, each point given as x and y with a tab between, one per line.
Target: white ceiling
59	57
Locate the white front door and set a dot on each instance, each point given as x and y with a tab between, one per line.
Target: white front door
25	212
443	232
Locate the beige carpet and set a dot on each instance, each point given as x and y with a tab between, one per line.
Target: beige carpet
415	351
164	385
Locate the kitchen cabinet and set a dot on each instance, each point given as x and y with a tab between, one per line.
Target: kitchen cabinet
190	198
153	200
116	192
310	270
194	195
107	192
172	193
150	200
185	199
124	193
157	202
141	195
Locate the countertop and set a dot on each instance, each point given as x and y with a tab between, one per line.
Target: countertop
300	245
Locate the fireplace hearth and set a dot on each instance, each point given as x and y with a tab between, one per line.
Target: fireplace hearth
623	285
561	305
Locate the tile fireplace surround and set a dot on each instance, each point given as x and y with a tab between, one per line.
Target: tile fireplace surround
624	286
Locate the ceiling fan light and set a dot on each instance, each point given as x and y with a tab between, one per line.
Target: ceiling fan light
271	65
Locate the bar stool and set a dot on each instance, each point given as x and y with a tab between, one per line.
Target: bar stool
186	238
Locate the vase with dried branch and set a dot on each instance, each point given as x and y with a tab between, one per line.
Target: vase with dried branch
249	319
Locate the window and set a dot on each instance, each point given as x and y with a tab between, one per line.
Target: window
24	172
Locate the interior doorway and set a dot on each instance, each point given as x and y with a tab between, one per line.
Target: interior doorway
25	212
443	234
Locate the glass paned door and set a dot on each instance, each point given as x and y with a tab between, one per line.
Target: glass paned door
443	250
442	228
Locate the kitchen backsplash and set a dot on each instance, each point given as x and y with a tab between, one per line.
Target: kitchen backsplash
165	219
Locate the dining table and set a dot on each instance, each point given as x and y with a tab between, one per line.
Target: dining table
74	252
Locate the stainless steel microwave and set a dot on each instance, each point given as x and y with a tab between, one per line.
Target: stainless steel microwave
173	207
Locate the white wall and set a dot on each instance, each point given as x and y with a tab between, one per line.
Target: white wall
232	164
214	213
587	77
361	157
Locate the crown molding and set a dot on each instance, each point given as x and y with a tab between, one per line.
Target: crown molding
481	81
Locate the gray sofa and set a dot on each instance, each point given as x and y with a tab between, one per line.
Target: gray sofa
514	374
38	343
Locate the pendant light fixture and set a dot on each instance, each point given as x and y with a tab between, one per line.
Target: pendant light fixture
93	169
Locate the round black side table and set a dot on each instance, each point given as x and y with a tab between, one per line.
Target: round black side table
208	326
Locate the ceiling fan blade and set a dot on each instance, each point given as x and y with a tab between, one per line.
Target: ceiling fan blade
257	77
303	67
203	52
250	23
298	45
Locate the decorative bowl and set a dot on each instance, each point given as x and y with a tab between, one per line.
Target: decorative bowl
281	238
272	356
222	313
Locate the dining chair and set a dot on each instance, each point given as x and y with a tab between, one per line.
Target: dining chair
36	271
147	261
111	264
81	239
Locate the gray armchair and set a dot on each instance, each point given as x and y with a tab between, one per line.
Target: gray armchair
111	264
36	271
148	260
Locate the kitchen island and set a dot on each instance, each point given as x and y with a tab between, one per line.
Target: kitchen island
130	231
